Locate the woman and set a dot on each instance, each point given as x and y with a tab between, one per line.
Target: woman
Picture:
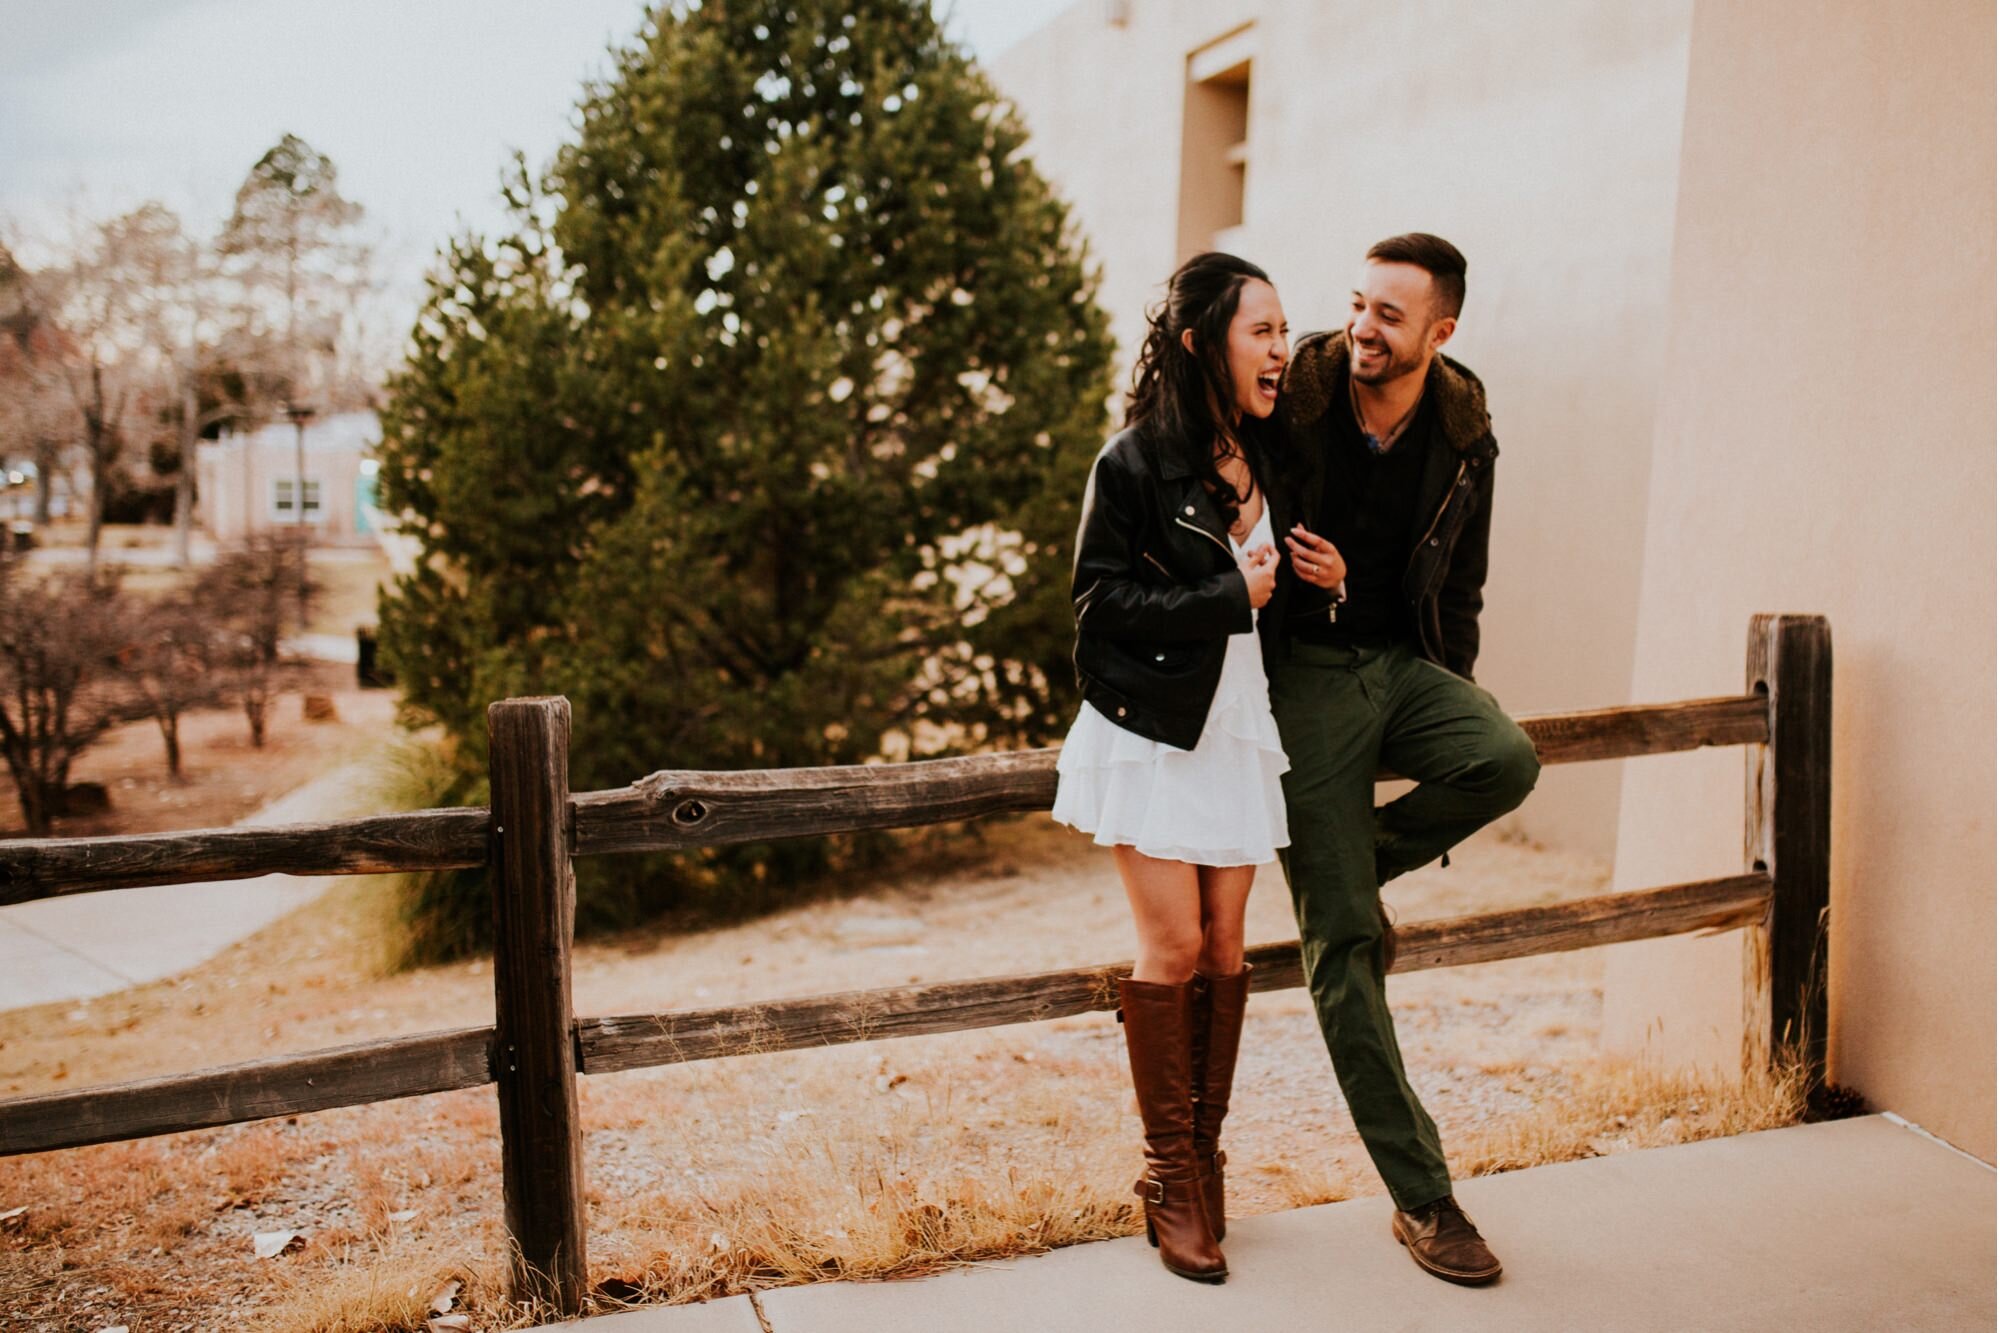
1174	761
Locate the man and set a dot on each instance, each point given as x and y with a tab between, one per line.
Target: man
1371	639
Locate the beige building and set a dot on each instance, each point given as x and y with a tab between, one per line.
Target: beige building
1731	291
250	482
1825	442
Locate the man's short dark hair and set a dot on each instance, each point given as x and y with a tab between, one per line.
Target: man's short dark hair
1436	256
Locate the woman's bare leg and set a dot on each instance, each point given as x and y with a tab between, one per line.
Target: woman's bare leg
1225	890
1166	900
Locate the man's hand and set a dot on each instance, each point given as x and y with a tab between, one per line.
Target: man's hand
1260	570
1314	558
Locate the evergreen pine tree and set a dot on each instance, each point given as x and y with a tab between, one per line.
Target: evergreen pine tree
761	436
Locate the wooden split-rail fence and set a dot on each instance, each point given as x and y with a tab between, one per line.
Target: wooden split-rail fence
537	1046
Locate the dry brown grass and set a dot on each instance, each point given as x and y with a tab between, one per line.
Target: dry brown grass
1617	1106
381	1296
888	1185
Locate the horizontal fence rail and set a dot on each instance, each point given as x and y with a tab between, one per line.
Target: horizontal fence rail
376	844
444	1061
368	1071
679	811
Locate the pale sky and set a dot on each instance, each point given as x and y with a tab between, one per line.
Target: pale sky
107	103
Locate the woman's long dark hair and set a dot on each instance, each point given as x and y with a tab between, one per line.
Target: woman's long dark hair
1181	401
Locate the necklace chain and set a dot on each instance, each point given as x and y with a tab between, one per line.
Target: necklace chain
1379	444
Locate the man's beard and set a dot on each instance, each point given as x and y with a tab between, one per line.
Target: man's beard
1393	367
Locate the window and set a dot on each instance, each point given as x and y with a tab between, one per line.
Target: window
1215	143
282	489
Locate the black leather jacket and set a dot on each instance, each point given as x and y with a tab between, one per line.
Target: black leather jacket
1157	593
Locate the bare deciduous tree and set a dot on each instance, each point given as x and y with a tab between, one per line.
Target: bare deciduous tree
170	661
60	638
107	301
36	417
253	594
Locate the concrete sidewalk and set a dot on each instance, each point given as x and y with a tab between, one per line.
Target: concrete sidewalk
88	944
1860	1224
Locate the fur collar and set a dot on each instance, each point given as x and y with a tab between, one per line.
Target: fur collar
1317	377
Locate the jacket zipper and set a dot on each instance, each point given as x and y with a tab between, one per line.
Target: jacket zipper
1439	516
1457	479
1206	533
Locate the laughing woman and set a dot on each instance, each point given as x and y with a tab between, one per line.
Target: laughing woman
1174	761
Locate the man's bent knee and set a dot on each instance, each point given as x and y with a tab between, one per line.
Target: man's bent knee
1516	767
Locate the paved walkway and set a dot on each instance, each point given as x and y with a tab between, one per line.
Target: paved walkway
1861	1224
88	944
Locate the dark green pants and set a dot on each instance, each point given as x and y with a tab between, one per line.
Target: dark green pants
1343	713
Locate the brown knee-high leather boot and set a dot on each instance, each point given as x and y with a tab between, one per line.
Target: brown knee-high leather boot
1217	1034
1157	1017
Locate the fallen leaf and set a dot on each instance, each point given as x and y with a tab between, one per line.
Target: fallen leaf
13	1214
449	1321
271	1244
115	1328
404	1215
446	1295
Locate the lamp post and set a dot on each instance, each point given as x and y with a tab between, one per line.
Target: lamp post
300	414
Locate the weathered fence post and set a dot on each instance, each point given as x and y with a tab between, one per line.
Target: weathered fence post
1788	831
534	1046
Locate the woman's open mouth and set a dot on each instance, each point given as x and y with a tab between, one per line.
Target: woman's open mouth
1267	383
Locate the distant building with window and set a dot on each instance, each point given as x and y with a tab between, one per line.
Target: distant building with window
251	482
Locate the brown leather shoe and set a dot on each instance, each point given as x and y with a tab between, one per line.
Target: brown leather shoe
1157	1021
1217	1034
1443	1241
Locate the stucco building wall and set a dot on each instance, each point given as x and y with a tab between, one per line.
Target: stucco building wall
1825	444
1545	142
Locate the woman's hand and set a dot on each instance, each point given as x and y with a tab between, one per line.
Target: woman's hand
1260	570
1314	558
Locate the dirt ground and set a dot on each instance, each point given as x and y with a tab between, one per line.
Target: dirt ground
723	1173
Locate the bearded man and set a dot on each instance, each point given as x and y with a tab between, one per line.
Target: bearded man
1370	643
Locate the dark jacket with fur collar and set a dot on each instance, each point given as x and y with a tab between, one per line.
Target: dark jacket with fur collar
1446	574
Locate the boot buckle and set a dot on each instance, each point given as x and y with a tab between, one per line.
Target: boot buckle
1151	1190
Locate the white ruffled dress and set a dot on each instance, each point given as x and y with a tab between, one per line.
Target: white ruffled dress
1220	804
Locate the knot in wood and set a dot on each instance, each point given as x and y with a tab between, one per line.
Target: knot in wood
690	812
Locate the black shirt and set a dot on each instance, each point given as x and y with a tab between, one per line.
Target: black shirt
1367	508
